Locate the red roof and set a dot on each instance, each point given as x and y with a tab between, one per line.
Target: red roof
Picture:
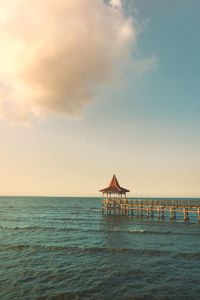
114	187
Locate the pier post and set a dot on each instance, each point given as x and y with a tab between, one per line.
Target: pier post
158	212
127	208
199	214
171	210
163	212
185	214
114	208
174	209
137	210
132	211
141	211
147	210
152	211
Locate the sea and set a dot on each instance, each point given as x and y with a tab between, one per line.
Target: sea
65	248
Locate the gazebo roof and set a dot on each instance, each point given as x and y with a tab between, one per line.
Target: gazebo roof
114	187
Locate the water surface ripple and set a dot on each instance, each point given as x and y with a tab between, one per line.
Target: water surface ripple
64	248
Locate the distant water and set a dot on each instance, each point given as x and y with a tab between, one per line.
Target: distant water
64	248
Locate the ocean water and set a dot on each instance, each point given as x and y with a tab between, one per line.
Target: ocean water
64	248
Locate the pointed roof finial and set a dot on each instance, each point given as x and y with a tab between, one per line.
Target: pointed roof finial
114	187
114	182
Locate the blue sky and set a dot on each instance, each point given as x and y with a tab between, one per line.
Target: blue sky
146	130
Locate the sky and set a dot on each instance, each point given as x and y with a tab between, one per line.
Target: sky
92	88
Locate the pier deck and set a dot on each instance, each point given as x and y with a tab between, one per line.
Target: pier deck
159	208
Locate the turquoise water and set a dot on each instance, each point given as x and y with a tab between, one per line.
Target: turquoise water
64	248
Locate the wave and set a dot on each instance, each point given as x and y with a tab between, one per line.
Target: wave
94	230
83	210
99	250
136	231
27	228
18	247
87	250
12	220
72	219
161	232
49	219
50	228
154	232
188	255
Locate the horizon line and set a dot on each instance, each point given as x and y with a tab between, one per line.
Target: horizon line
95	196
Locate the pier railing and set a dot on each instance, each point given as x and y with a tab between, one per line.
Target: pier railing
152	207
166	202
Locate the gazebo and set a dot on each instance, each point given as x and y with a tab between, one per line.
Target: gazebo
114	194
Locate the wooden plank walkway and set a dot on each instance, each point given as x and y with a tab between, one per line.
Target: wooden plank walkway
159	208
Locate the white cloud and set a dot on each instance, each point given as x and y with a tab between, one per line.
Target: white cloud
116	3
56	54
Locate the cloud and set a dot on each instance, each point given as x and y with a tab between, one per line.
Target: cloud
56	54
116	3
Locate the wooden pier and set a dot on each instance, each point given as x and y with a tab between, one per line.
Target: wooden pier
114	201
149	208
